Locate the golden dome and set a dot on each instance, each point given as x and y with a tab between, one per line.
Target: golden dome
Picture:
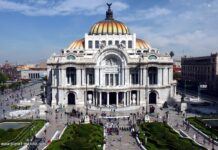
141	44
109	27
78	44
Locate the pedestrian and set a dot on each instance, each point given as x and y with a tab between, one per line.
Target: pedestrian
194	137
204	141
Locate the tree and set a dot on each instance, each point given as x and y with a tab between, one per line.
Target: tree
3	77
171	53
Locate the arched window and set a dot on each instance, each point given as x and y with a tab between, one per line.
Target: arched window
71	57
152	73
71	99
112	71
152	57
71	75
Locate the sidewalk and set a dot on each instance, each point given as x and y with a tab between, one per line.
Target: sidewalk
55	124
176	121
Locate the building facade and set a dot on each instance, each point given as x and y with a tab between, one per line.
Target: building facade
32	72
202	70
10	70
110	67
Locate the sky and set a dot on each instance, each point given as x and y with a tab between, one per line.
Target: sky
32	30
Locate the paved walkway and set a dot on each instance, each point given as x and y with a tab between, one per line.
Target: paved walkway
123	141
127	142
176	121
55	124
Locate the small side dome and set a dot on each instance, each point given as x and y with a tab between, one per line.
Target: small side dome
78	44
141	44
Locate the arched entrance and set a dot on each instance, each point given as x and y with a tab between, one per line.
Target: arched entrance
152	101
71	99
152	98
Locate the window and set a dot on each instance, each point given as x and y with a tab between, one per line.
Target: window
90	76
152	57
134	75
129	44
110	42
103	42
107	79
71	75
123	42
117	79
96	44
90	44
111	79
71	57
91	79
117	43
152	73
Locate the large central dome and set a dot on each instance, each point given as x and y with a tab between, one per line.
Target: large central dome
109	26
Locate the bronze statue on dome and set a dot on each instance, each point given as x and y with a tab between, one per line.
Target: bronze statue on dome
109	5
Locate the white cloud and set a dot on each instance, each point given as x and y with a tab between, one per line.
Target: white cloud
190	28
142	14
58	7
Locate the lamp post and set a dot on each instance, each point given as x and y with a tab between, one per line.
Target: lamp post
4	113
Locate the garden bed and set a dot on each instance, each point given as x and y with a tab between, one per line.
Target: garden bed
162	137
16	138
202	125
80	137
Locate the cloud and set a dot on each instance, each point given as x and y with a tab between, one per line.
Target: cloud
58	7
189	28
142	14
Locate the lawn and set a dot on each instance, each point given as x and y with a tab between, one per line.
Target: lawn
201	125
80	137
162	137
20	135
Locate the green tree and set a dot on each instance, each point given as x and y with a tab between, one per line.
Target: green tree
171	53
3	77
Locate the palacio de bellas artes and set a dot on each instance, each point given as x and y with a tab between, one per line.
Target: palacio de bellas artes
110	68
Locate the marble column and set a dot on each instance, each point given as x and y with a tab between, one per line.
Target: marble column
138	96
78	76
107	99
64	77
159	76
97	76
128	103
83	77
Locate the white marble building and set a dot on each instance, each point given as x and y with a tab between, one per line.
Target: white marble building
110	67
